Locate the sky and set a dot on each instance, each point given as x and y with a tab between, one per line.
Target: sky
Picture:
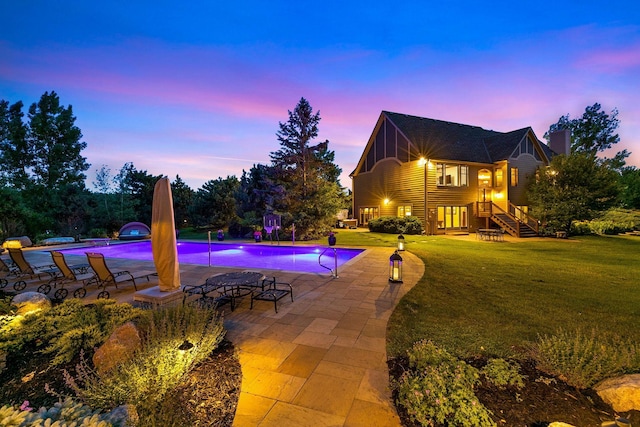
197	89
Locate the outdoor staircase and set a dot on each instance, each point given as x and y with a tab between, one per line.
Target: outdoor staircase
513	226
514	220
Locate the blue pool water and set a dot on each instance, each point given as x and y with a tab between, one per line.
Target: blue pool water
273	257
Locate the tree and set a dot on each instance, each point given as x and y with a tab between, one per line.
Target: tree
593	133
103	184
573	187
54	142
15	155
42	159
182	199
214	205
136	194
630	187
306	172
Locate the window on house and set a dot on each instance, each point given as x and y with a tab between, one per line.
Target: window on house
498	176
514	177
452	217
484	178
368	213
404	210
451	175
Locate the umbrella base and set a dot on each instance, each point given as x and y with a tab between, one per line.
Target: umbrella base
156	298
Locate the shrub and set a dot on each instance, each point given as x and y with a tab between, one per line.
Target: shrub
438	388
67	328
614	221
158	367
98	232
580	228
62	414
396	225
503	373
583	359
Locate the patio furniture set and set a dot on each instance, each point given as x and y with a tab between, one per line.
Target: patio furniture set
228	287
494	234
220	288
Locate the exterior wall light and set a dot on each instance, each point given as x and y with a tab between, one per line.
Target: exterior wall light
395	268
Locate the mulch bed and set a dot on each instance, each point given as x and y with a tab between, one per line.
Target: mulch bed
543	400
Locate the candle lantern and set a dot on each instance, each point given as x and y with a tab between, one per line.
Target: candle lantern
401	242
395	268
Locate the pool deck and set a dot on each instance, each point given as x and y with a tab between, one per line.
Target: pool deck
321	360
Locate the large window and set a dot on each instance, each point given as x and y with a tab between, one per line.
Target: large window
452	175
404	210
452	217
368	213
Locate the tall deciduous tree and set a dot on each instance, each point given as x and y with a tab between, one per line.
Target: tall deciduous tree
305	169
593	133
573	187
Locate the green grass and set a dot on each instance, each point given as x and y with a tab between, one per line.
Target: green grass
495	298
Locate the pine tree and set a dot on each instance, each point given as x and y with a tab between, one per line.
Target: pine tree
306	172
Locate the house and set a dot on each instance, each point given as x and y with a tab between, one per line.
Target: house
454	177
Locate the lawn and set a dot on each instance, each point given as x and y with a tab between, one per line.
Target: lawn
494	298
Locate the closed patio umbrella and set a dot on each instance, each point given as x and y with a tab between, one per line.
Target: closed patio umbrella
163	237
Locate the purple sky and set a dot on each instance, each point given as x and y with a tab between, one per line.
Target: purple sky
198	89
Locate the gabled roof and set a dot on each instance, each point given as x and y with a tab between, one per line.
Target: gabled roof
444	140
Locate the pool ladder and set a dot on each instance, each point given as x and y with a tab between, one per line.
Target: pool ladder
334	271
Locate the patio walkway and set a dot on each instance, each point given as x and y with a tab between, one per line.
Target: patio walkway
321	360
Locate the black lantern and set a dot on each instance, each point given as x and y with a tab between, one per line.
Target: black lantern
395	268
332	239
401	242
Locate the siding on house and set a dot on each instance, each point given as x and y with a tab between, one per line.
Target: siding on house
390	173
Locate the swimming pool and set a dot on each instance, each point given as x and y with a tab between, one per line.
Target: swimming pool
272	257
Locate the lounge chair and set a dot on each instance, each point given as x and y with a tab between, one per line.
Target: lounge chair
272	290
68	275
105	277
6	270
25	271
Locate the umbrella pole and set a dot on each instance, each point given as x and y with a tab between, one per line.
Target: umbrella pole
209	240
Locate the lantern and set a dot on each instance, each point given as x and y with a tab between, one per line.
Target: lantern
395	268
401	242
332	239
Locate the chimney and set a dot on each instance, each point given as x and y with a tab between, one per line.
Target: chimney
560	141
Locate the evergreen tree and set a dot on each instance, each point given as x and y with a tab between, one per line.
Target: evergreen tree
54	141
15	156
182	199
214	205
312	193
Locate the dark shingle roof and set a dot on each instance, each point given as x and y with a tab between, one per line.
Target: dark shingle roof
454	141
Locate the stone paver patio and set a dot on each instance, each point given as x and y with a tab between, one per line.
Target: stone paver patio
319	361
